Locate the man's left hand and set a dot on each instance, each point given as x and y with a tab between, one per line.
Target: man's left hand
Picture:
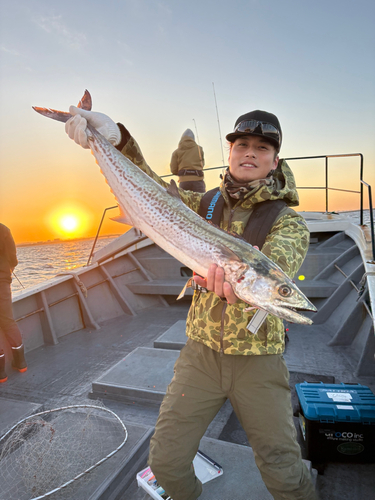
215	283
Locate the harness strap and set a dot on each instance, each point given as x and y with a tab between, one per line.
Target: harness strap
211	206
260	221
186	171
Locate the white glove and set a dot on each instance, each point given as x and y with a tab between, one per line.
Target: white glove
75	127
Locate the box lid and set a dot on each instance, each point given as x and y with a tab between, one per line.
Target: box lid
337	402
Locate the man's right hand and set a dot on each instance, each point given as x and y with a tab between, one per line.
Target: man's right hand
75	127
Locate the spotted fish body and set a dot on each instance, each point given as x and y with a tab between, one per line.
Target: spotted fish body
161	215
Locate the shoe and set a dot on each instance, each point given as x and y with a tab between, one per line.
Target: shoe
3	375
19	361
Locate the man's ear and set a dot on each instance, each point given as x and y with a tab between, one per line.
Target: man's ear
276	162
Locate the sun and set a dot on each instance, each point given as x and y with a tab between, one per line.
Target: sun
69	223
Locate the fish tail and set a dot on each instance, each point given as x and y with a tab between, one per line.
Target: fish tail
63	116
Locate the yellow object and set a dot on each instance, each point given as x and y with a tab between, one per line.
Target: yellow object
301	277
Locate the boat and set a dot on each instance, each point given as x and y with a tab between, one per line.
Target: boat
112	330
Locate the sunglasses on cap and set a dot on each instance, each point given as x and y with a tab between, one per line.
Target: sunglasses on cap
260	128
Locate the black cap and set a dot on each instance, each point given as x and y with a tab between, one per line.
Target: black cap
260	116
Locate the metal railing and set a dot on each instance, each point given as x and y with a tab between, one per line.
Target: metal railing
97	233
327	188
363	183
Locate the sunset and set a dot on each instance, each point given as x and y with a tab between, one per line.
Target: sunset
70	221
318	81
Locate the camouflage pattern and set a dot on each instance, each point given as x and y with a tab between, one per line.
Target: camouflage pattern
212	321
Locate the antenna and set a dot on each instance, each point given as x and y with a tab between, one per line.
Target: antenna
218	121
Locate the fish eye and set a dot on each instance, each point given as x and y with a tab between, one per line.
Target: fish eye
285	291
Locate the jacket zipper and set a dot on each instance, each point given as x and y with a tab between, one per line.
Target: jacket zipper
222	328
225	305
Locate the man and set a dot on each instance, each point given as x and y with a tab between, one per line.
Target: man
223	358
187	162
8	261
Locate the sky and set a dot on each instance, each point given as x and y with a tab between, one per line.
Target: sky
160	67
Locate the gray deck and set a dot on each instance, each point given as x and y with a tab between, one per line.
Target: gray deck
174	337
64	373
128	362
142	376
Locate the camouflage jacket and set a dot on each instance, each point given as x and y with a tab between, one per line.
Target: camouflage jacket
212	321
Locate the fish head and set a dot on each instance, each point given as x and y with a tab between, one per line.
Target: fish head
268	288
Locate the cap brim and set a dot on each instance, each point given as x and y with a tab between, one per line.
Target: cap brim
235	135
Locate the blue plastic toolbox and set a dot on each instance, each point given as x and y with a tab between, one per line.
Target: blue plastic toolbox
337	422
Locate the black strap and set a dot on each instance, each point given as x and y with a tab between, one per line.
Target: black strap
212	205
186	171
260	221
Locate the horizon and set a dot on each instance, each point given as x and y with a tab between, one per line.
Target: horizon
159	68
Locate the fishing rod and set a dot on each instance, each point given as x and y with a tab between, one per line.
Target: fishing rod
198	142
14	274
218	121
196	130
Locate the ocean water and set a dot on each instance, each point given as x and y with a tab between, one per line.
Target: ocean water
40	262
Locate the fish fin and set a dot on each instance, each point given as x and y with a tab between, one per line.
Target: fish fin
173	190
86	101
229	254
188	284
123	218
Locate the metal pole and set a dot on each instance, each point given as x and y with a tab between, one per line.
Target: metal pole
326	184
372	223
97	234
361	179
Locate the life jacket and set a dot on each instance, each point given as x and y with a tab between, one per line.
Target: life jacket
260	221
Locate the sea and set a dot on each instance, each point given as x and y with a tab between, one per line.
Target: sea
38	263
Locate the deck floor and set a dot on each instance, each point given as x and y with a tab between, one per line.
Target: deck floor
63	374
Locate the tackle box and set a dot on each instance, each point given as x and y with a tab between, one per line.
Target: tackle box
205	468
337	422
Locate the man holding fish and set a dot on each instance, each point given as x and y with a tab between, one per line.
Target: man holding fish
230	354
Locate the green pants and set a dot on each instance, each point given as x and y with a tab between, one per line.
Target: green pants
258	389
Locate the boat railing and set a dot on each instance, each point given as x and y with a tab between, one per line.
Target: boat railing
363	183
97	233
326	187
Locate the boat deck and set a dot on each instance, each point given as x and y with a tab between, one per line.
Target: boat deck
63	374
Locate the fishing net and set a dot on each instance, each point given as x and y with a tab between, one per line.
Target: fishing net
49	453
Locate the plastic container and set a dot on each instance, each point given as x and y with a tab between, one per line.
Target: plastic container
337	422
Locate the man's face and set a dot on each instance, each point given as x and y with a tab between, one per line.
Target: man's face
251	157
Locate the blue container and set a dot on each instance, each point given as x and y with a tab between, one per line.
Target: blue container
337	422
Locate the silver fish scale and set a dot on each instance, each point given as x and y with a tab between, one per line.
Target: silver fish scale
164	219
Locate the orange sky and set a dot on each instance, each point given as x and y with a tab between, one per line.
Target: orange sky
313	69
56	186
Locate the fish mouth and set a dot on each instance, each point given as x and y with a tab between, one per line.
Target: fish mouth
292	313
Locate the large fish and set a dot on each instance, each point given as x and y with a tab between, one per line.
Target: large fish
161	215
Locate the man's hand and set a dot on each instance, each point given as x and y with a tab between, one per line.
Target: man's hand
75	127
215	283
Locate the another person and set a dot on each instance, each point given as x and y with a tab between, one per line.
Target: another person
187	162
222	359
8	261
